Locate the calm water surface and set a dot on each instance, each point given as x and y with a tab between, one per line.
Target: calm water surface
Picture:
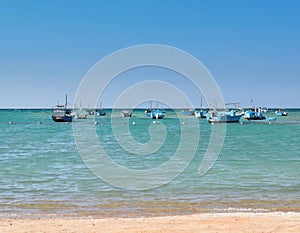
41	171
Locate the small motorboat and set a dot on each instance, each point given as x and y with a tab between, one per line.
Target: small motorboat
126	113
280	112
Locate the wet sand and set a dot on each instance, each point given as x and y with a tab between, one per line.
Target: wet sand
204	222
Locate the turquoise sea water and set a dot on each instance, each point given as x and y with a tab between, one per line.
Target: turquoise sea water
41	171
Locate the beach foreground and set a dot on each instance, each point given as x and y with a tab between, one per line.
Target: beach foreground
205	222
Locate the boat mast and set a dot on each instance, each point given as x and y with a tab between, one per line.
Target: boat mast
66	102
201	103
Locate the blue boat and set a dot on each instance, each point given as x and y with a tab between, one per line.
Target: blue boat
254	114
62	114
154	113
257	115
200	114
280	112
157	114
231	116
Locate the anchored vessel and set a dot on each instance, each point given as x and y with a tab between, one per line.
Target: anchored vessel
126	113
280	112
231	116
200	113
254	114
100	112
227	115
157	114
154	113
62	114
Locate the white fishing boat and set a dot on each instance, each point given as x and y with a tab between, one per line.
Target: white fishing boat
126	113
228	115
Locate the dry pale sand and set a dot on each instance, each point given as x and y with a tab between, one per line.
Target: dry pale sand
206	222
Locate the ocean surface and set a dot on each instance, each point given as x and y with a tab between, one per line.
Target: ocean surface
42	172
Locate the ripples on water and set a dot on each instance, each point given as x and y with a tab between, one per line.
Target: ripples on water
41	171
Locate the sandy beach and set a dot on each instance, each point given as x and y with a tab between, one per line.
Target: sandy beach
205	222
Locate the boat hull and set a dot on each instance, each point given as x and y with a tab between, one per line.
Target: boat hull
277	113
224	119
62	114
62	118
224	116
254	115
126	114
158	117
157	114
200	114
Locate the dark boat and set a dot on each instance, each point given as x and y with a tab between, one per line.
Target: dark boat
100	112
62	114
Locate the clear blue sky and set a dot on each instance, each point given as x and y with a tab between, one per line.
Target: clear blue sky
251	47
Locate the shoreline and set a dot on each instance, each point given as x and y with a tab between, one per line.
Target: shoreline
201	222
